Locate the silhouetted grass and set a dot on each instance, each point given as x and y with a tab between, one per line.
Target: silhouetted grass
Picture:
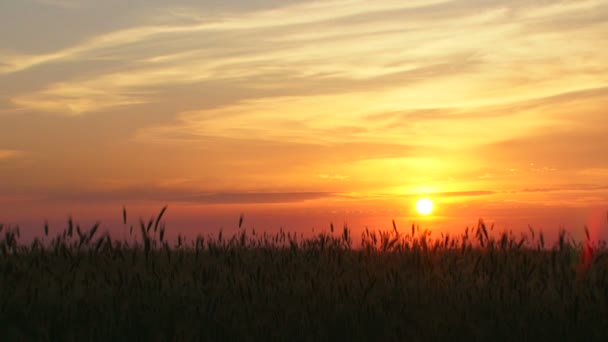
398	285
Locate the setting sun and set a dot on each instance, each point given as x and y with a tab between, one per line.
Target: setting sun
424	206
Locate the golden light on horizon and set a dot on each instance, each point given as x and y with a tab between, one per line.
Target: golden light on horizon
424	206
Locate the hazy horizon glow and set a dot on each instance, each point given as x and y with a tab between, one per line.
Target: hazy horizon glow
316	110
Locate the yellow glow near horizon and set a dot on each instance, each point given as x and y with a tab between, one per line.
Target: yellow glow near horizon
424	206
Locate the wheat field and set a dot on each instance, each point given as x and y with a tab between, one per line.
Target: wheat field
396	285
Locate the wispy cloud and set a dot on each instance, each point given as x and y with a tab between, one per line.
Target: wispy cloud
67	4
306	13
177	195
268	197
333	177
465	193
9	154
569	188
322	43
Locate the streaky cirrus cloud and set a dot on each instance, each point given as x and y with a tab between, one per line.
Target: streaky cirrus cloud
177	195
272	47
281	101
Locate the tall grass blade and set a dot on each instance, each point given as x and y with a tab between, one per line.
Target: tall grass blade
159	217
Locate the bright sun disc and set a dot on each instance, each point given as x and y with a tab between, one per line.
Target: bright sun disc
424	206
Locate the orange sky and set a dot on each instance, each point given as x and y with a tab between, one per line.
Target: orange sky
298	113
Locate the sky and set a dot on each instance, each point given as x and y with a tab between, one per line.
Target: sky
301	113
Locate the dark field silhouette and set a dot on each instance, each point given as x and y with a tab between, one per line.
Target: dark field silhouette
82	285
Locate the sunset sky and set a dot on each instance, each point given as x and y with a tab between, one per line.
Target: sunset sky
301	113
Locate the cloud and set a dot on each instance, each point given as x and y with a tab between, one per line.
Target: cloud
335	46
440	194
268	197
333	177
66	4
72	100
270	18
140	85
567	16
551	102
164	194
573	187
9	154
561	150
464	193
